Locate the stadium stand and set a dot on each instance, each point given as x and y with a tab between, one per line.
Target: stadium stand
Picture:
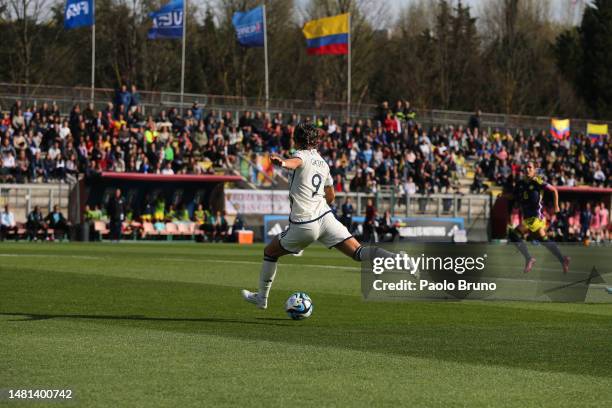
39	143
390	151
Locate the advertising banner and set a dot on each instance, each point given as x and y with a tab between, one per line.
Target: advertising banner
258	201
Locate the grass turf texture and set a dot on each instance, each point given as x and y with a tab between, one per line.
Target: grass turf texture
142	325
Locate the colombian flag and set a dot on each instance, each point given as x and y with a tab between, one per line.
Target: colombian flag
328	35
560	128
595	132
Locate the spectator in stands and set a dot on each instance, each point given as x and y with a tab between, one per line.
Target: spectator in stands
599	176
478	185
56	221
123	100
167	170
238	225
410	187
586	216
387	226
148	211
347	213
604	216
383	110
7	224
596	221
339	186
474	122
571	180
160	208
171	215
35	223
183	214
7	171
196	111
218	227
134	99
561	224
375	151
369	225
208	227
116	210
199	215
21	167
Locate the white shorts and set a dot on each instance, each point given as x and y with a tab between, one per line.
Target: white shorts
327	230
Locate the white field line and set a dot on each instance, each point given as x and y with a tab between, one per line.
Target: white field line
347	268
222	261
353	268
51	256
184	260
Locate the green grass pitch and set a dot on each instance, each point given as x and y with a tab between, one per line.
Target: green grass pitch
144	325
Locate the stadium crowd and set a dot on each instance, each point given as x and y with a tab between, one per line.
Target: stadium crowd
391	149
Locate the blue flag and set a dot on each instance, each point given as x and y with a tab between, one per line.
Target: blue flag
167	21
78	13
250	27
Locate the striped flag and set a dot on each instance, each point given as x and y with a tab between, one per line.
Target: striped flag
328	36
560	128
595	132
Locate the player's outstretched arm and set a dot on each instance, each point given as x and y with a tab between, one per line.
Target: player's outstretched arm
290	164
552	188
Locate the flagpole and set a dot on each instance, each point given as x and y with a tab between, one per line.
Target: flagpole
183	56
93	51
348	91
266	58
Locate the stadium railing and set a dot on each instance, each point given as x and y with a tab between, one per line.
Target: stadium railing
65	97
469	206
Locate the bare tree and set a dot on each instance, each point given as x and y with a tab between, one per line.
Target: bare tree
518	36
28	16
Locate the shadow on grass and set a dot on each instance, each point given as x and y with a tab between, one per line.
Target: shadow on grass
471	333
34	316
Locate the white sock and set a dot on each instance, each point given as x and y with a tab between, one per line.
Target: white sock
266	277
370	252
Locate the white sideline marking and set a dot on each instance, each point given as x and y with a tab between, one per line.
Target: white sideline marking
52	256
351	268
348	268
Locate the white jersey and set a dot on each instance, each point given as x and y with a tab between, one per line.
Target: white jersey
306	187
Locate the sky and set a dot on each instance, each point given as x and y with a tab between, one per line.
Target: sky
560	8
564	11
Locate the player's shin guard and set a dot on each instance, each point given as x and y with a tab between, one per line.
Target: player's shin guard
553	248
520	244
266	276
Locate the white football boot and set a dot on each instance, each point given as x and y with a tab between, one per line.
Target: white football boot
253	297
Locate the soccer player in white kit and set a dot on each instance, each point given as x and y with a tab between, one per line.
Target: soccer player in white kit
311	191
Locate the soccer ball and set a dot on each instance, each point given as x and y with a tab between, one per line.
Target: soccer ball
298	306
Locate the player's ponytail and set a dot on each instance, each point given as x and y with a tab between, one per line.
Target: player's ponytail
306	136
